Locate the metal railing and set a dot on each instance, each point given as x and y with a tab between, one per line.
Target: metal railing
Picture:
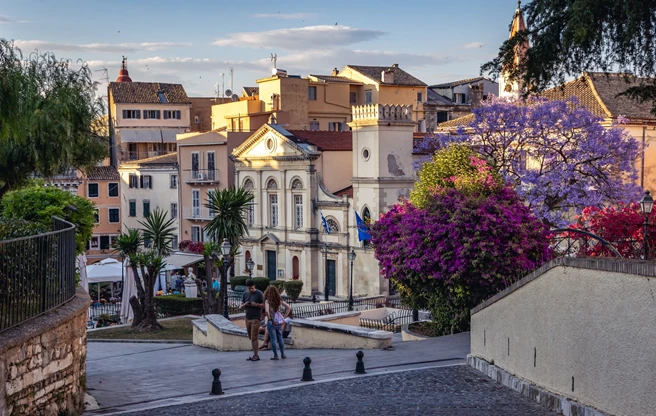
37	273
198	213
145	155
209	176
392	322
339	306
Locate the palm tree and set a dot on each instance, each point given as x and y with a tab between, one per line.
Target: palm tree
159	231
127	245
231	207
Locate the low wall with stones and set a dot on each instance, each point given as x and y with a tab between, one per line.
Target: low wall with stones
582	330
42	362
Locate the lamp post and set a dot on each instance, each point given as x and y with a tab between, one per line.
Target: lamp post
250	264
325	259
352	259
646	205
225	250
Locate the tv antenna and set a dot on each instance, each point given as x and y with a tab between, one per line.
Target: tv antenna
105	74
222	83
274	59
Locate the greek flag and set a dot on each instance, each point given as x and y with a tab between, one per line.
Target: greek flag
325	224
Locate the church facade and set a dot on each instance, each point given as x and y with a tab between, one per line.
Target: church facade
298	178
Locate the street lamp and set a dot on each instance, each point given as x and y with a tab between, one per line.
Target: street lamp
225	250
352	259
250	264
646	205
325	258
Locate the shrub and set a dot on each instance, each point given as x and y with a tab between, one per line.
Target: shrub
293	289
238	281
17	228
261	283
278	284
177	305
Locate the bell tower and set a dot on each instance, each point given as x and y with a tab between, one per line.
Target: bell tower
508	88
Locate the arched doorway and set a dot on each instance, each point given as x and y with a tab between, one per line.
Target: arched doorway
295	268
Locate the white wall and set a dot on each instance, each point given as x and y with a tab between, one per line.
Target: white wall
593	326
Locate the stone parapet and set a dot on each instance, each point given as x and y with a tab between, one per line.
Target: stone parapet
383	112
42	362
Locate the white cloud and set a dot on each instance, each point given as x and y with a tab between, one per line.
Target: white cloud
302	38
473	45
97	47
4	19
284	16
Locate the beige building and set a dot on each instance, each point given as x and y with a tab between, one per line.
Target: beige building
102	186
320	102
150	184
145	117
204	166
297	176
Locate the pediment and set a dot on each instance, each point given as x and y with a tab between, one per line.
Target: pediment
269	238
267	142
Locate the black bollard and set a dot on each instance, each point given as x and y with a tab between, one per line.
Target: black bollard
216	383
359	365
307	371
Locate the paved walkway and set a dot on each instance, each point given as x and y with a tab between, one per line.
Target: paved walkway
455	390
131	376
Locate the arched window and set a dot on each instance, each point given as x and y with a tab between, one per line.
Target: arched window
297	184
247	256
366	215
334	227
248	184
295	268
272	184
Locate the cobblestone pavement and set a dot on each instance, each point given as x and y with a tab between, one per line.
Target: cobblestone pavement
454	391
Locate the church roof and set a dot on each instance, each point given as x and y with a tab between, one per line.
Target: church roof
326	140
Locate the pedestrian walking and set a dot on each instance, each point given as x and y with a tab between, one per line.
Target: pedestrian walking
276	320
253	302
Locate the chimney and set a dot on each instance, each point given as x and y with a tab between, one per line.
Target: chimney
387	76
476	95
335	72
395	65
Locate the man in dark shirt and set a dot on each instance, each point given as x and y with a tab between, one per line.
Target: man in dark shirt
253	302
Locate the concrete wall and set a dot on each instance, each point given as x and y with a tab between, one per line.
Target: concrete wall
42	362
584	329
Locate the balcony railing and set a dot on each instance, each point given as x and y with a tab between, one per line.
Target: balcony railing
146	155
201	176
198	213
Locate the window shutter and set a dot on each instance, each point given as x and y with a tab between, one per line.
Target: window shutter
150	182
158	114
177	114
125	112
141	181
138	113
166	114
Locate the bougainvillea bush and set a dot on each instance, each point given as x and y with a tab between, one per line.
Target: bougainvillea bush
620	225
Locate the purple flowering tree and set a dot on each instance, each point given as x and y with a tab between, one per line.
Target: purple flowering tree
462	248
556	154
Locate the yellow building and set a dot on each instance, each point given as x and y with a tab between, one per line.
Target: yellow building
320	102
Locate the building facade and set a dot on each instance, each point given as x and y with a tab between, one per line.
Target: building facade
147	185
102	186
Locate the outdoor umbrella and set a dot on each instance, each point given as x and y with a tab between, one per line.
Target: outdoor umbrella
129	290
82	265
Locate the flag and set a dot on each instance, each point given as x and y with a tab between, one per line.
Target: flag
326	227
363	230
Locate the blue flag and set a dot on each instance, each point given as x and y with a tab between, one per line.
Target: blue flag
363	230
326	227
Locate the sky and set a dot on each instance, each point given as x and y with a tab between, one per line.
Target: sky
193	41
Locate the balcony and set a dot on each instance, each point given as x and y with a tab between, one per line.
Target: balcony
197	214
136	155
201	176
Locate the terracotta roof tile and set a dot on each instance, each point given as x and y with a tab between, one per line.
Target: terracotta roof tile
346	191
400	76
147	93
252	91
167	159
326	140
335	79
457	122
459	82
103	173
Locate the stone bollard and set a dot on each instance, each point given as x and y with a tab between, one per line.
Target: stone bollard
307	371
359	365
216	383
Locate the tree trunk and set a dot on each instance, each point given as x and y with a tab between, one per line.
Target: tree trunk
137	310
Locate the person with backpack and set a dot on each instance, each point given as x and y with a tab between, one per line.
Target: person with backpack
276	320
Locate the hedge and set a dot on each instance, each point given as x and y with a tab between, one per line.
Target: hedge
177	305
261	283
278	284
293	289
238	281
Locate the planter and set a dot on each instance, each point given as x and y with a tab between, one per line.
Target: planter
408	335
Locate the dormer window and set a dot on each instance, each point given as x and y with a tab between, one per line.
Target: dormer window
162	97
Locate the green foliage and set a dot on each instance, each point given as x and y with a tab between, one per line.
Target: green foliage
230	206
49	117
177	305
261	283
293	289
278	284
127	244
10	229
238	281
455	166
159	230
39	203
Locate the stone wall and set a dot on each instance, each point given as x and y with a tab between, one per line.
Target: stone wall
581	329
42	362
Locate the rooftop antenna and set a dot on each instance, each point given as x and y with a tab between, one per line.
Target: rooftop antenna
105	74
222	83
232	73
274	59
217	91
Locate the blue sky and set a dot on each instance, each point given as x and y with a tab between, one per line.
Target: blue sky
193	41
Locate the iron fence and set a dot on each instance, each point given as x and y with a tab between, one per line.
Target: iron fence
392	322
360	304
37	273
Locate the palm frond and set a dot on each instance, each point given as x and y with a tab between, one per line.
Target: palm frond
159	229
230	206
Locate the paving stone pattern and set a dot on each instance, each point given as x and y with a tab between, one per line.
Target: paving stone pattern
457	391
